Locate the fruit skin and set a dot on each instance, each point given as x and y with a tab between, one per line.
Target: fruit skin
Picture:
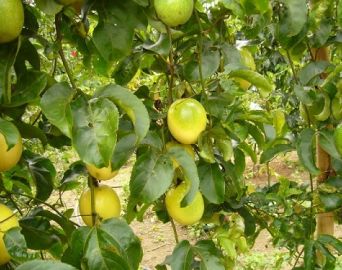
174	12
107	204
338	139
188	215
11	222
11	19
186	120
104	173
10	158
248	61
186	147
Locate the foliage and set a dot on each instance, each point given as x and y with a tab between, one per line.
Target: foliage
99	80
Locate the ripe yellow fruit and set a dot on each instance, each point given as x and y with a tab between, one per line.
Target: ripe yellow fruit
186	120
104	173
186	147
107	204
11	19
7	221
174	12
188	215
248	61
9	158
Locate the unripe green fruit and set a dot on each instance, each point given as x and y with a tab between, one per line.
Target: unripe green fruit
11	19
174	12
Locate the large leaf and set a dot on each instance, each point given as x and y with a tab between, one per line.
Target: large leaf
74	253
112	245
182	256
151	176
43	174
10	132
16	245
274	150
209	254
210	63
124	149
211	182
113	36
94	132
327	142
259	81
189	170
8	53
55	104
44	265
305	150
29	86
312	70
309	255
132	105
295	17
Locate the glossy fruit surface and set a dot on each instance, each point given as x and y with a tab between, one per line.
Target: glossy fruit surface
174	12
7	221
11	19
186	120
188	148
188	215
107	204
9	158
104	173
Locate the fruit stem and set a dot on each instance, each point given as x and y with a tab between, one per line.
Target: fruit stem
171	66
200	49
59	38
174	230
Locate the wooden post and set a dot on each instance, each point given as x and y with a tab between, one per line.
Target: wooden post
325	221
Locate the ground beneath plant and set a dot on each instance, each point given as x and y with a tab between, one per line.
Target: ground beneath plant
158	239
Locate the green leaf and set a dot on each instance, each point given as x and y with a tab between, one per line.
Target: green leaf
210	63
95	128
43	174
8	53
126	70
74	253
225	147
132	105
162	46
211	182
182	256
309	255
339	13
16	245
274	150
330	202
295	17
209	255
189	170
113	35
327	142
151	176
205	144
249	151
28	131
124	149
112	246
27	53
305	150
303	95
44	265
49	7
10	132
259	81
55	104
29	86
312	70
330	240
